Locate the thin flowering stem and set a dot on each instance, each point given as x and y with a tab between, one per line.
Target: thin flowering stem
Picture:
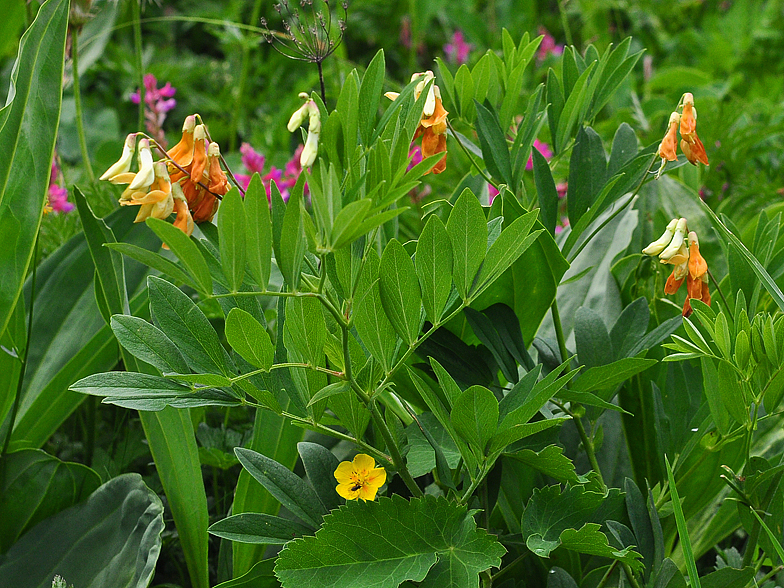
137	49
223	161
471	158
182	169
78	104
718	289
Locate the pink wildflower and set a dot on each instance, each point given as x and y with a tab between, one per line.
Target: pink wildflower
415	156
564	223
543	148
548	45
561	188
157	102
492	192
251	159
58	195
458	50
284	178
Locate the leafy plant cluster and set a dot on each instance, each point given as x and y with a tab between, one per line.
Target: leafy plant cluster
544	414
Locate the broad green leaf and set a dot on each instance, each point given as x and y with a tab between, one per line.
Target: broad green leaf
385	543
624	149
731	393
305	329
495	150
587	173
555	105
258	232
509	246
464	91
329	390
232	231
369	95
546	191
288	488
467	230
344	231
109	267
399	290
619	66
550	461
475	417
119	525
320	465
508	435
370	320
249	338
630	327
185	324
261	575
28	131
487	334
252	527
185	249
35	486
434	267
553	518
148	343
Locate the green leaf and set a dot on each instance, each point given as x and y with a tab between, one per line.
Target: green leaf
546	191
35	486
261	575
399	289
305	329
252	527
509	246
495	151
329	390
232	232
148	343
624	149
370	320
464	91
320	465
728	578
591	338
185	249
292	237
467	230
119	526
109	268
185	324
28	131
553	518
369	95
434	267
258	232
475	417
611	375
287	487
550	461
555	105
683	532
385	543
249	338
347	222
587	173
155	261
731	393
487	334
572	108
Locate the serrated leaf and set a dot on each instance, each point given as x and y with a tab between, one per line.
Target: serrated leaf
428	540
249	338
550	461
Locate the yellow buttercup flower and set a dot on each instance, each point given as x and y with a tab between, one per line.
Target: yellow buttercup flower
359	478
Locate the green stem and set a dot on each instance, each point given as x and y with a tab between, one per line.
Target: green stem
20	381
397	459
244	66
506	569
321	81
471	158
474	484
587	442
607	574
751	544
630	575
78	103
718	289
137	51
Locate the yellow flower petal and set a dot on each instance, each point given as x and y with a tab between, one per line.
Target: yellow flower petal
367	493
345	491
363	462
376	477
344	472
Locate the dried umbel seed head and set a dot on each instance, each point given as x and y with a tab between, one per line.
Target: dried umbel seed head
311	34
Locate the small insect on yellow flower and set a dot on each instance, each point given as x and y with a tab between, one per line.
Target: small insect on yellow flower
359	478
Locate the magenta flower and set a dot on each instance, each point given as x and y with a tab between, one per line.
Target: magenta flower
548	45
157	102
561	188
284	178
543	148
458	50
58	195
414	156
251	159
564	223
492	192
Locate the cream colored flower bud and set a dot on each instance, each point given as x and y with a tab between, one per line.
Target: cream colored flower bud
146	173
189	124
392	95
213	150
122	165
314	118
676	243
659	244
199	133
310	150
161	171
298	118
